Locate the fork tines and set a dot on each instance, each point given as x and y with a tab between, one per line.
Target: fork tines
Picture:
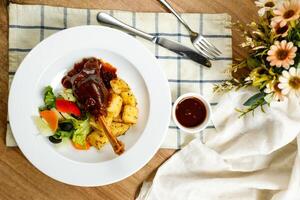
206	48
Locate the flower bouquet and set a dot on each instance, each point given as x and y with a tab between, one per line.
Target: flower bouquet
273	61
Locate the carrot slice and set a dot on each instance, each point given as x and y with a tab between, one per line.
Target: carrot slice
80	147
51	118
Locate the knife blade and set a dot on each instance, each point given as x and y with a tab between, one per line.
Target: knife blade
182	50
171	45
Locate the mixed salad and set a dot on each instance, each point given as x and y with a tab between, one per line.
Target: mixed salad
60	118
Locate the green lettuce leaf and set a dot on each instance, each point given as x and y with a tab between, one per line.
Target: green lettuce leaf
82	129
49	97
67	94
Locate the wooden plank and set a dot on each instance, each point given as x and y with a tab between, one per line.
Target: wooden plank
3	70
19	179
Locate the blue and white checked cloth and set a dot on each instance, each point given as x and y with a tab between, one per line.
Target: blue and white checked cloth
29	24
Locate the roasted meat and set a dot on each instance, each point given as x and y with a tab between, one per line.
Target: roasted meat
90	81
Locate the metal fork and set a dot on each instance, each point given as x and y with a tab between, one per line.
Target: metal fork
199	42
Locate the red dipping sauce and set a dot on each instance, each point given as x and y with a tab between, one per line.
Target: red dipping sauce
190	112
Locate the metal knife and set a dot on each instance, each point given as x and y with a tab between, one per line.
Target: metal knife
176	47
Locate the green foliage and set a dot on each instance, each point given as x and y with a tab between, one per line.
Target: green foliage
253	62
257	100
254	99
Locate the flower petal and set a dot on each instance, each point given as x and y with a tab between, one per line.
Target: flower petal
261	12
297	92
283	85
292	93
277	12
283	44
282	23
270	52
283	79
286	74
291	62
273	62
273	47
258	3
285	91
278	63
267	90
285	65
289	45
292	71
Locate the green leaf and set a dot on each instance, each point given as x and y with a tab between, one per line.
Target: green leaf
67	94
254	99
269	98
82	129
42	108
252	62
49	97
277	70
63	134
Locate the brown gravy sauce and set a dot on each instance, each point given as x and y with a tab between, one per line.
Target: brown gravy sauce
190	112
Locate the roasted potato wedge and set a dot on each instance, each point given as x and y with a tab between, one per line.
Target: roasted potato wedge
130	114
115	105
119	86
118	118
97	139
119	128
109	118
128	98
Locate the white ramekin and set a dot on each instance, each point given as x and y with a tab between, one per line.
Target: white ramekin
200	127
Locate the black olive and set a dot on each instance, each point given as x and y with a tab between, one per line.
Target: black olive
66	126
54	140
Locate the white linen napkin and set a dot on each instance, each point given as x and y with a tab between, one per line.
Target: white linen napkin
250	158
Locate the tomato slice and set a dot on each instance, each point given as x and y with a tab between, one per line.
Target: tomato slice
67	107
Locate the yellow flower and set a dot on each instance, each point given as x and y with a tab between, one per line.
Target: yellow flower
282	54
258	77
287	11
290	82
264	5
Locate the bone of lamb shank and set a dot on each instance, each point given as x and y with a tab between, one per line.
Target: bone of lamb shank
89	80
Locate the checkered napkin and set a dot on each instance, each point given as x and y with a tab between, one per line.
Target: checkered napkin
30	24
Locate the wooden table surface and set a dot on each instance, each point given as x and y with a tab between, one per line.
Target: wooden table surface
18	178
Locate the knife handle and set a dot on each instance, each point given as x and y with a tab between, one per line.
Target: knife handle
110	20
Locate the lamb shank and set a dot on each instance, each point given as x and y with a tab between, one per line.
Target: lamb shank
90	81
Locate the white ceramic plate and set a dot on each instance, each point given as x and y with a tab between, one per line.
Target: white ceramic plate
47	63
